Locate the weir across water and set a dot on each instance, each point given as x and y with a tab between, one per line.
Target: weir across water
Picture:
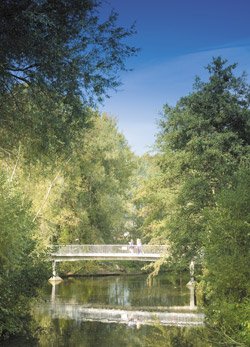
117	305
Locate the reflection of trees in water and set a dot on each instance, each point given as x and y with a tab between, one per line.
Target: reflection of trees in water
80	313
176	337
125	291
62	327
62	332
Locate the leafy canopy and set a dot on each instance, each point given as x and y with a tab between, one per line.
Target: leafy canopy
56	57
61	46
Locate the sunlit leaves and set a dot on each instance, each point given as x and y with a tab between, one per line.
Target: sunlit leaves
94	202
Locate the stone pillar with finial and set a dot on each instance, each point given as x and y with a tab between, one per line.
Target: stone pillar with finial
54	278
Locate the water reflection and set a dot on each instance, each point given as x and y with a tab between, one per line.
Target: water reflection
124	291
118	311
91	312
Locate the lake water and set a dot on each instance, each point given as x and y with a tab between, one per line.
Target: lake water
117	311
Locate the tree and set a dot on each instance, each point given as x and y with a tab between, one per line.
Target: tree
61	47
204	139
151	199
93	206
56	58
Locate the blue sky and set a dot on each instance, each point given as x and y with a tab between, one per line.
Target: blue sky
178	38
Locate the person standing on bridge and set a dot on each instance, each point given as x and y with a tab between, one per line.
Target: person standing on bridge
131	244
139	246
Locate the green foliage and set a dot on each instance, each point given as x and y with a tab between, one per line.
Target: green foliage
151	199
203	141
175	337
93	206
41	125
56	58
61	47
21	271
16	224
226	278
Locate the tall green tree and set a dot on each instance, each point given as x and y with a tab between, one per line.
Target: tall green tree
203	141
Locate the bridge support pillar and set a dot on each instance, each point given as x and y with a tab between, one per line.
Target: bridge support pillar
54	278
191	286
192	304
191	269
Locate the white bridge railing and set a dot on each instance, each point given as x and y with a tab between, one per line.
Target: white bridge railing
108	249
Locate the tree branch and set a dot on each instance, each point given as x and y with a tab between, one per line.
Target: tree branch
5	151
13	96
22	69
19	78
